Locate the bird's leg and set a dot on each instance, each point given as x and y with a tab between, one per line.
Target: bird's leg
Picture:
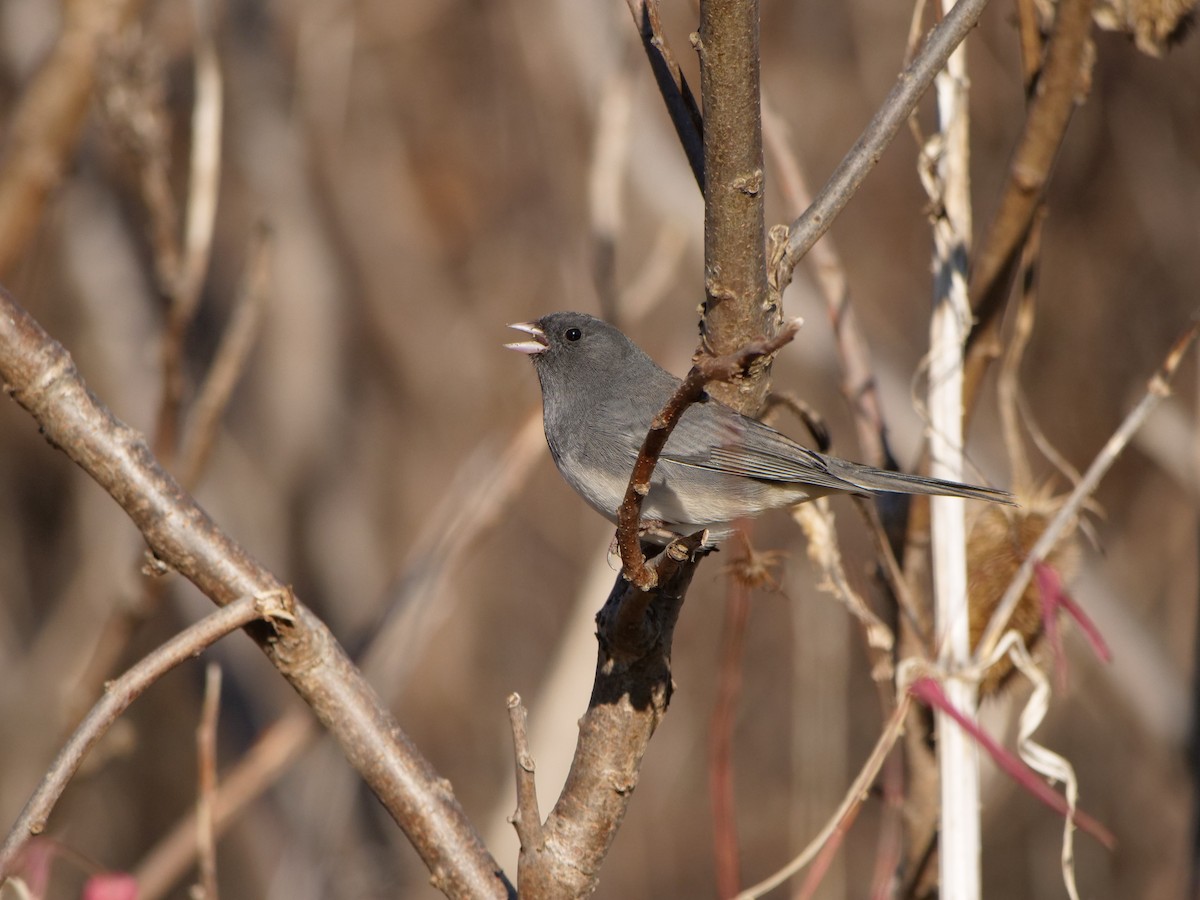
656	533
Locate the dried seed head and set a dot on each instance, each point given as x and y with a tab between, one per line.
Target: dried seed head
1000	539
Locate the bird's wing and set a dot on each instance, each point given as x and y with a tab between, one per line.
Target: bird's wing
710	436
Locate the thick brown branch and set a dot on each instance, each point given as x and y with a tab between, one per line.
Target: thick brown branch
629	699
737	302
41	376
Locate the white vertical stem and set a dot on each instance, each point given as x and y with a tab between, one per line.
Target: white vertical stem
959	857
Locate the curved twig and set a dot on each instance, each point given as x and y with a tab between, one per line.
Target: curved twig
117	698
706	369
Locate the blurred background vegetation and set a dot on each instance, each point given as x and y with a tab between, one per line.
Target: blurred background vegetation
427	173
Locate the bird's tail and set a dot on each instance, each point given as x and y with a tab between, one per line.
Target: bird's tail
873	481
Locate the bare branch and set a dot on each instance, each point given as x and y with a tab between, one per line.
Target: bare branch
629	699
738	303
42	378
229	363
856	165
527	819
450	531
859	385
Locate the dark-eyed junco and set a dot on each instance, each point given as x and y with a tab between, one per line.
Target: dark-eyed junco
599	395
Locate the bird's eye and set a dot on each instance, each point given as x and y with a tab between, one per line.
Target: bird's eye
573	334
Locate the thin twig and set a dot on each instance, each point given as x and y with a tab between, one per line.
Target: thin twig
204	178
1157	390
859	385
853	798
117	698
251	776
826	855
206	755
818	428
681	104
705	370
856	165
527	820
229	363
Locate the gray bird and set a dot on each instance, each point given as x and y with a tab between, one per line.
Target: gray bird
599	395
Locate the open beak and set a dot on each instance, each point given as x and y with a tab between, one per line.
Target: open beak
534	347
